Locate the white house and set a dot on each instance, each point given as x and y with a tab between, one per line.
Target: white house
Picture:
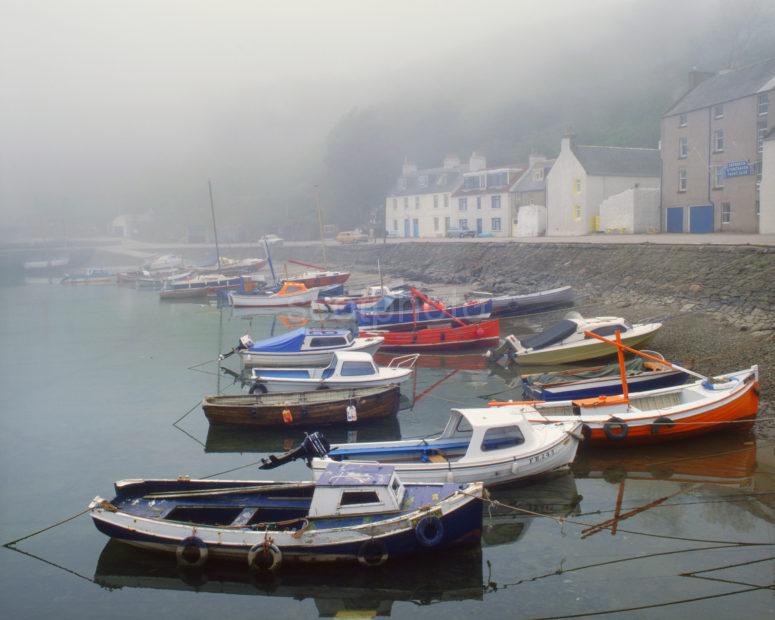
767	186
483	202
419	205
583	176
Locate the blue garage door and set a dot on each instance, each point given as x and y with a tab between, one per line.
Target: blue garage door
675	219
406	228
415	227
701	219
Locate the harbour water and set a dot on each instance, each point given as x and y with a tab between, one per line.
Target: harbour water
102	383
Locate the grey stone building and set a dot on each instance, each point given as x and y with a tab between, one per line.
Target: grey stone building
711	143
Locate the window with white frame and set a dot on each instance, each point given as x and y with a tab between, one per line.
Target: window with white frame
395	224
495	201
683	120
718	111
478	202
447	222
726	212
462	224
577	185
416	202
496	224
718	141
497	179
763	103
682	180
435	201
435	223
577	212
462	204
395	203
446	201
683	147
538	174
406	202
718	177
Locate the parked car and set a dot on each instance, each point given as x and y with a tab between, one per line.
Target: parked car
460	232
352	236
271	240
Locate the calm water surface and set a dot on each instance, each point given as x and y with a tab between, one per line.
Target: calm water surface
93	379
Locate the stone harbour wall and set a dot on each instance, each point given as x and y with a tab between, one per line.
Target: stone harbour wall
735	284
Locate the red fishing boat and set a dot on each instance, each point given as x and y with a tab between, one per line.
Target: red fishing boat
318	276
727	402
441	338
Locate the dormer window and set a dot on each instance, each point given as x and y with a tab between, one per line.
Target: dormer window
402	183
422	180
498	179
538	174
442	180
718	111
683	120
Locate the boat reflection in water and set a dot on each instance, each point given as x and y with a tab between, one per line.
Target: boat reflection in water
449	576
554	495
265	440
720	459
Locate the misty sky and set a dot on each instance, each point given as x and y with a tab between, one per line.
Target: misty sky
114	105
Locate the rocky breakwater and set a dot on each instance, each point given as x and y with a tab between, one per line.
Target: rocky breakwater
735	284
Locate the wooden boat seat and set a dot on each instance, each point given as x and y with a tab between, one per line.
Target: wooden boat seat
437	458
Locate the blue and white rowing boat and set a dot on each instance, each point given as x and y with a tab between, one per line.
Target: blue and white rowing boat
303	347
402	312
353	513
594	381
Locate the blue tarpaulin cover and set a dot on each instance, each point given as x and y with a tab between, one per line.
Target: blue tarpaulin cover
292	341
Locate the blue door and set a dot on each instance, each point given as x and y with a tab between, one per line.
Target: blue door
478	225
701	219
406	228
415	227
675	219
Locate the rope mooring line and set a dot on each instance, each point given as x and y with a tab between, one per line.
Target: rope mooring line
11	544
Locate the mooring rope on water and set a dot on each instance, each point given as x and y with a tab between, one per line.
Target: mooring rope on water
45	529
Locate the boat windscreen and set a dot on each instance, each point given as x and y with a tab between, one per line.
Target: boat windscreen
555	333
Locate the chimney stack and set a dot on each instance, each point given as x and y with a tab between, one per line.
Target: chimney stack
409	168
477	162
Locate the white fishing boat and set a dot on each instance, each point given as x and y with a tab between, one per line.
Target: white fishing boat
303	347
289	294
566	342
493	446
365	300
346	370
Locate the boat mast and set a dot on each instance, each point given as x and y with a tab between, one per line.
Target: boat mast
215	230
320	224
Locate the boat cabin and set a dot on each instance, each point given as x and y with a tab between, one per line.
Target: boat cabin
291	288
343	364
349	489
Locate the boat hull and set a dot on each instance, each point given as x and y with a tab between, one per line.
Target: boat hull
731	410
305	358
510	305
273	301
460	515
579	352
297	411
322	280
608	386
504	470
407	320
479	335
308	385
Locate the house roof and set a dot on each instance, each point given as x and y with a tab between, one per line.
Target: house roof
618	161
526	183
727	86
440	180
514	173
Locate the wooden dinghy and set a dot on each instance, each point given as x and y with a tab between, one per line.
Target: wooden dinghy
307	409
726	402
352	513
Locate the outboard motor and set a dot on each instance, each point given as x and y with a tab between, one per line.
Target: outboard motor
510	347
313	445
244	343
